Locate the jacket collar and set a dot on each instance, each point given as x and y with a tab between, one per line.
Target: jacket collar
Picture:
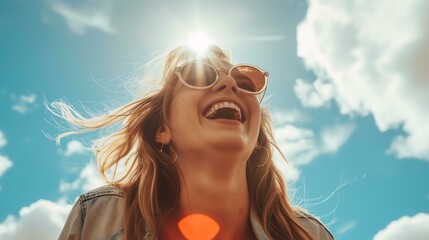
257	225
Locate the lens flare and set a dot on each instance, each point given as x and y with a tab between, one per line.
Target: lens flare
199	42
198	227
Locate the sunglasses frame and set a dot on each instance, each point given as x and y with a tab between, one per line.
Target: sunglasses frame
264	73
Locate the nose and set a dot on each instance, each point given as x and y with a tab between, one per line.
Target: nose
225	82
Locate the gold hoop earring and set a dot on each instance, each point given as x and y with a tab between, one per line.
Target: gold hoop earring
171	149
175	159
256	150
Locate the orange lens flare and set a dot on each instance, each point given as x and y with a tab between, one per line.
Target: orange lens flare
198	227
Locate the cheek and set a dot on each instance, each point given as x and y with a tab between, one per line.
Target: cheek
257	124
255	109
256	112
177	111
183	111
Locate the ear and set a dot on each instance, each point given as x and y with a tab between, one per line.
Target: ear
163	135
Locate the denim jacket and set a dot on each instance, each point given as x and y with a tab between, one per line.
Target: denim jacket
98	214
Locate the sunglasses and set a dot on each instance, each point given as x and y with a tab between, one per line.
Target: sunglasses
200	75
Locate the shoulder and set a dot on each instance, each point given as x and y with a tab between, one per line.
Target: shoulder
314	225
103	200
104	191
97	214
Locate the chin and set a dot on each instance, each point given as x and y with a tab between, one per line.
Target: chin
232	144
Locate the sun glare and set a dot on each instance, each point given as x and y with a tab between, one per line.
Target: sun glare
199	42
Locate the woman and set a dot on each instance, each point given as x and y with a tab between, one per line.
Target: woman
200	145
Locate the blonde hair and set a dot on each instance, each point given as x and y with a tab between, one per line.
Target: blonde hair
151	182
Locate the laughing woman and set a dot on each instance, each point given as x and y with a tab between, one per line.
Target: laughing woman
200	146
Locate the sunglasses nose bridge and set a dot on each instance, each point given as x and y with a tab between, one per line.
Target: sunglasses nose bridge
225	81
223	70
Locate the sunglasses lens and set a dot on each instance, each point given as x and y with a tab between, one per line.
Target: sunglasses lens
198	74
248	78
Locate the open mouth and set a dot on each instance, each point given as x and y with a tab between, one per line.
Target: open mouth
224	110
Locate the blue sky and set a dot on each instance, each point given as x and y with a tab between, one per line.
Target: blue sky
348	93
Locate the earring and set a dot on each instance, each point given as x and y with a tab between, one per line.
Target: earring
256	150
175	158
171	149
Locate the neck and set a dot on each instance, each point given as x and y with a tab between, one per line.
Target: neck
216	187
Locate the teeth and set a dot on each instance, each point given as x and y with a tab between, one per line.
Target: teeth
219	105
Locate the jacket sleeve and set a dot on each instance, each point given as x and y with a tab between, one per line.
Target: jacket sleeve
72	229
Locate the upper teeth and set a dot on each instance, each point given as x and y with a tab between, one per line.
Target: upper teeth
219	105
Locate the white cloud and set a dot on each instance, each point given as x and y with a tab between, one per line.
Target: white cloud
88	179
346	227
3	140
283	117
415	227
289	171
28	224
313	95
301	146
370	57
5	164
24	103
74	147
334	137
80	20
43	219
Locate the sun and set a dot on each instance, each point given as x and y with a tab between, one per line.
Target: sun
199	42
